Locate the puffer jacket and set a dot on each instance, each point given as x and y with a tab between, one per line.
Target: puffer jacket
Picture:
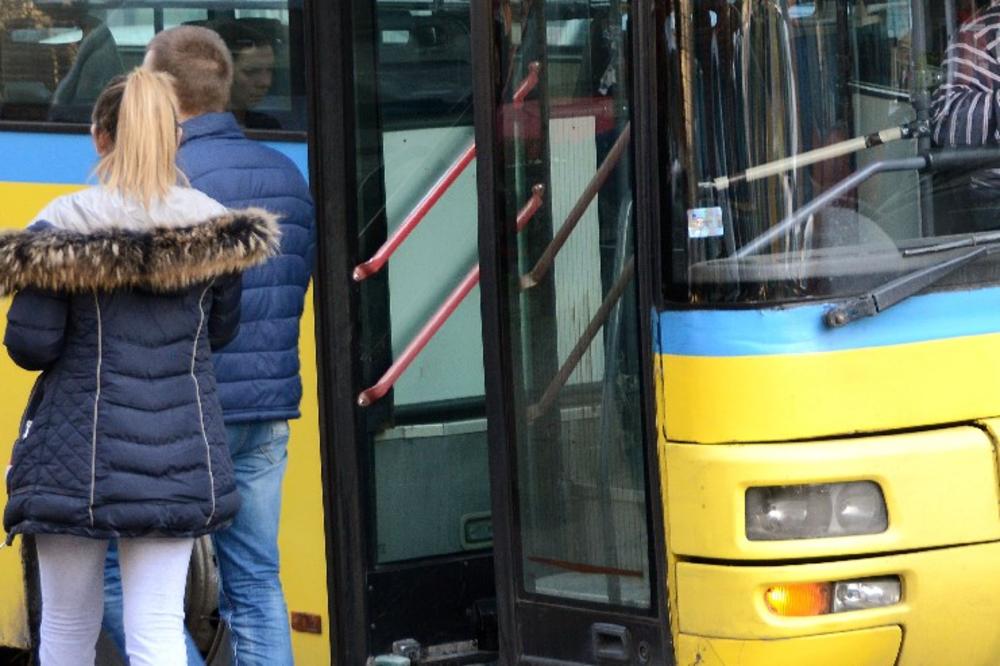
123	434
258	373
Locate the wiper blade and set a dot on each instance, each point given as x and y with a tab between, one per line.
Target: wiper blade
971	240
895	291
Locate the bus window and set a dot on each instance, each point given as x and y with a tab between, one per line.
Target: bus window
783	107
55	58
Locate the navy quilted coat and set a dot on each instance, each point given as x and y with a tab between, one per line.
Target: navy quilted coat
123	434
258	373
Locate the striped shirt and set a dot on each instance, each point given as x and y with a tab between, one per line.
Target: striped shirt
966	109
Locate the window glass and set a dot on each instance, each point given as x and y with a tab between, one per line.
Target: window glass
776	107
572	310
428	434
56	57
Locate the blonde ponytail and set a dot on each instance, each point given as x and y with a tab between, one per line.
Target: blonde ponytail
142	161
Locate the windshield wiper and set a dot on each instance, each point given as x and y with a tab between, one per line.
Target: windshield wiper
971	240
895	291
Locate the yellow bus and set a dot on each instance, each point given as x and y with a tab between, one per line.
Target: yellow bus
643	332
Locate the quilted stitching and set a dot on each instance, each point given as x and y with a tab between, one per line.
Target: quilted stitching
151	472
221	162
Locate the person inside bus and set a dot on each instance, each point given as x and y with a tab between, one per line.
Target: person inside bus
122	290
253	72
97	61
965	111
258	372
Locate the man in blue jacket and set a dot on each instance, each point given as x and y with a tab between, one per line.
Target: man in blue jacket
257	373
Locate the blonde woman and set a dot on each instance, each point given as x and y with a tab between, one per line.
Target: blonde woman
122	292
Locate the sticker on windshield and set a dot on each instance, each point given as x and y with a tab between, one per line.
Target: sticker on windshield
705	222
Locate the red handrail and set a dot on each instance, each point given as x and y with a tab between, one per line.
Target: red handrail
443	313
529	83
378	261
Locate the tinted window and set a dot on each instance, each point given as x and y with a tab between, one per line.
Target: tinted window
55	58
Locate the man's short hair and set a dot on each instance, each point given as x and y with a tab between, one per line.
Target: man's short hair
200	63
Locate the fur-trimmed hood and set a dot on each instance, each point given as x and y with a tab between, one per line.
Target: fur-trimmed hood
161	259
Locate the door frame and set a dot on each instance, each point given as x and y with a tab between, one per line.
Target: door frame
333	178
345	153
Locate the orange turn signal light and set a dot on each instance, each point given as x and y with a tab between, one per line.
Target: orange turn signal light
800	599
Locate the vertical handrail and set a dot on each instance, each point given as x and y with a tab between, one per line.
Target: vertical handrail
610	415
443	313
535	275
377	262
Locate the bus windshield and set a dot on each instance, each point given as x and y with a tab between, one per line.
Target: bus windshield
803	138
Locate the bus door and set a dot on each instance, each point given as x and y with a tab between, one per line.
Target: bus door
567	344
409	518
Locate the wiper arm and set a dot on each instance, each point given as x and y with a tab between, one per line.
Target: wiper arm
971	240
932	161
895	291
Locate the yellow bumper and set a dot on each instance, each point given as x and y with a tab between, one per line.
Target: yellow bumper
870	647
949	614
943	542
940	489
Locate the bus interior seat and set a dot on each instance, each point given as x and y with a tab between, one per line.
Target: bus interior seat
425	63
30	69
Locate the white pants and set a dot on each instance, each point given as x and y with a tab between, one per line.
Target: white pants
154	573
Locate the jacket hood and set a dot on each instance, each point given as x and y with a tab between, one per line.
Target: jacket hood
160	259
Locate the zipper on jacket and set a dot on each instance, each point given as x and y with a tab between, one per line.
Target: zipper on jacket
97	402
197	395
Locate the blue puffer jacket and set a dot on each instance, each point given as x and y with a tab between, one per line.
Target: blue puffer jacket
258	373
123	434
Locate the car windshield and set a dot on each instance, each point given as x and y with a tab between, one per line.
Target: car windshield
776	105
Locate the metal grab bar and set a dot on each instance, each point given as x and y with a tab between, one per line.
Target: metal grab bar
365	270
534	276
529	83
581	346
443	313
378	261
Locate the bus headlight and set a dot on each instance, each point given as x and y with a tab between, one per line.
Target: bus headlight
811	599
815	511
868	593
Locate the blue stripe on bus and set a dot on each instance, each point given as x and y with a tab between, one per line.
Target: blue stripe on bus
800	329
296	152
52	159
68	159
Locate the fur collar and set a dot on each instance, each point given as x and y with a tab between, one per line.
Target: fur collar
161	259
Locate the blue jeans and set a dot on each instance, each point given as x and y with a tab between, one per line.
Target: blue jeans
250	599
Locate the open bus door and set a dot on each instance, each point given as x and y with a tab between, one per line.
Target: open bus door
406	470
579	541
443	472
